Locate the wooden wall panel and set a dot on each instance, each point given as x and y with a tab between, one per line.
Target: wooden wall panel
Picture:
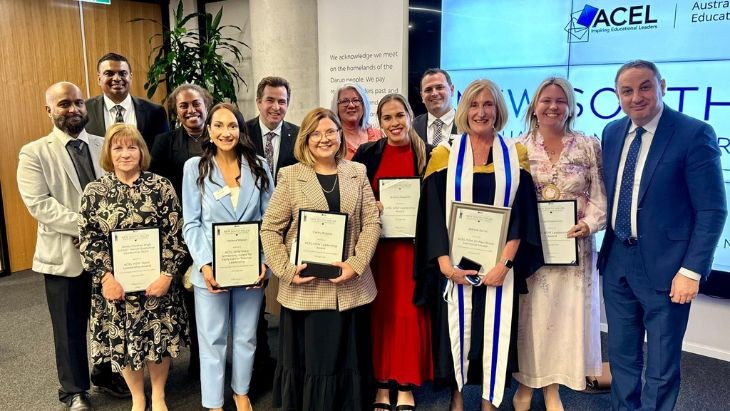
40	45
122	37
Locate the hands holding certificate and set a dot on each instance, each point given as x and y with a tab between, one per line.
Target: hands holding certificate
579	230
213	285
346	274
112	289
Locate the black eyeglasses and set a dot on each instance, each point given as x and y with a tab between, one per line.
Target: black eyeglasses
346	102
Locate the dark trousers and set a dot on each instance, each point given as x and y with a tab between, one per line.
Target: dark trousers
634	306
69	303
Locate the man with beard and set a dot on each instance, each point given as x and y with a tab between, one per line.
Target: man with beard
52	174
116	105
436	92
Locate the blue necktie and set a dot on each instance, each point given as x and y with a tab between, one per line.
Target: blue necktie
623	211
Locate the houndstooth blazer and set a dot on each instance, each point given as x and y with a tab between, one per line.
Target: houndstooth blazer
298	188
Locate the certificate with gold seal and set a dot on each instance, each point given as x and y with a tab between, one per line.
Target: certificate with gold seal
236	254
478	232
136	257
399	197
556	218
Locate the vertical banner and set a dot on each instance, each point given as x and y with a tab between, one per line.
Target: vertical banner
362	42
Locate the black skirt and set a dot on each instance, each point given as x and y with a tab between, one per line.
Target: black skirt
325	360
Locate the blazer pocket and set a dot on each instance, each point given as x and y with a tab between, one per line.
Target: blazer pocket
48	248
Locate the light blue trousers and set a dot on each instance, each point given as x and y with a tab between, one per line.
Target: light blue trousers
239	309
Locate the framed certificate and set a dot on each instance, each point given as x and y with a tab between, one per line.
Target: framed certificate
236	254
136	257
556	218
399	197
478	232
320	242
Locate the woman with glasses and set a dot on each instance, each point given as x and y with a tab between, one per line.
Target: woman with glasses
401	330
352	106
474	318
228	183
324	356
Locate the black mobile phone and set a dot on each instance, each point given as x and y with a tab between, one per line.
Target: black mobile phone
469	264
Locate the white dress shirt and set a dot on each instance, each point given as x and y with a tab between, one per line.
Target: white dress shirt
276	141
646	140
448	120
110	113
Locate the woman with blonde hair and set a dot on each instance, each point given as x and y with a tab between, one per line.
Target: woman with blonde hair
324	356
474	323
136	330
563	306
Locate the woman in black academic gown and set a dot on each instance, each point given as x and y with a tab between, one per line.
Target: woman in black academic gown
479	167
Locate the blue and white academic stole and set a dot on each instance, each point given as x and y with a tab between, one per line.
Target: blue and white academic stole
498	309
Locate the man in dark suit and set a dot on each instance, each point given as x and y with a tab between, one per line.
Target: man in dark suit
666	211
274	140
436	92
116	105
273	137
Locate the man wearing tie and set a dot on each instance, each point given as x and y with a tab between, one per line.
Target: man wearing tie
436	92
273	137
666	199
116	105
52	174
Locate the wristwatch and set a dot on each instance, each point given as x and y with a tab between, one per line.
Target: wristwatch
507	263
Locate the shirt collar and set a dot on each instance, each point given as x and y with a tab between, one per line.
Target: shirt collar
65	138
265	130
126	103
651	125
446	118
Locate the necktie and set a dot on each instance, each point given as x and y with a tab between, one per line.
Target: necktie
438	126
119	118
269	150
81	162
623	210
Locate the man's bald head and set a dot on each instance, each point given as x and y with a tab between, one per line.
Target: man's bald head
65	105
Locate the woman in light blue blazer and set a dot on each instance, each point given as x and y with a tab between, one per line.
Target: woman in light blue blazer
228	183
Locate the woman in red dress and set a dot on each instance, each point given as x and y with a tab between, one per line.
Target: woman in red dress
401	331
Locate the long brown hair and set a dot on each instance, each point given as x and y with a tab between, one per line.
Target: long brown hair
244	148
417	144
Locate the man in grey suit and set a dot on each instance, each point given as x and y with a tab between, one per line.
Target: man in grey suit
52	174
116	105
436	93
273	137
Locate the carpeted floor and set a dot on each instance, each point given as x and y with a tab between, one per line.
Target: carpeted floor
28	373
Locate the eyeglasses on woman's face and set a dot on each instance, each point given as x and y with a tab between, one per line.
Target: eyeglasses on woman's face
330	134
347	101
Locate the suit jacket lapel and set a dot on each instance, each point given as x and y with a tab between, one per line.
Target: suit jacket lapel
140	112
311	188
220	184
246	191
97	126
60	152
664	133
95	147
613	157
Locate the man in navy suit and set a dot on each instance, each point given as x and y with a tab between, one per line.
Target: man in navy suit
666	203
437	124
116	104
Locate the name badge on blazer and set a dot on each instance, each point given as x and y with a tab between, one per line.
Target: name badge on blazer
225	191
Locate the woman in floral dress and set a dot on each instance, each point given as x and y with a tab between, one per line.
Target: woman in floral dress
143	329
558	329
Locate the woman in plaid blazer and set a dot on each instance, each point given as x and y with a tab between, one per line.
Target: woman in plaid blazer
324	348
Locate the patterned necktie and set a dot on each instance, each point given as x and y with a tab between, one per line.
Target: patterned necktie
623	211
120	114
438	126
269	150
